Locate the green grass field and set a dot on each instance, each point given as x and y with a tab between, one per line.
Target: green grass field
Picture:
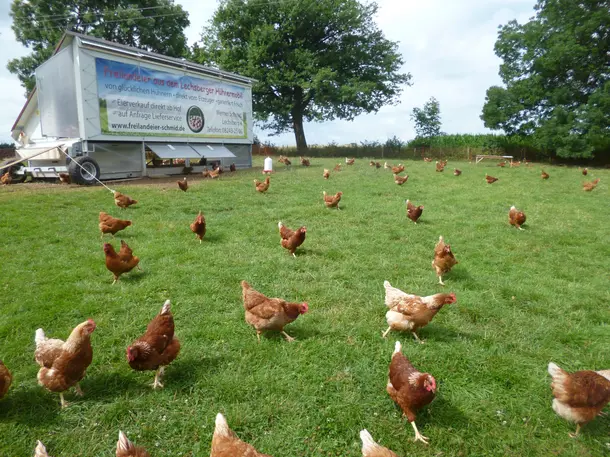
524	298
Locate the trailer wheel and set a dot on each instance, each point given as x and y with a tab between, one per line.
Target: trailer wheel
88	174
13	171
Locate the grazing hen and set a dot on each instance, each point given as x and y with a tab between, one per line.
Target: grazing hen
589	186
64	178
349	161
158	347
123	201
262	187
457	172
516	217
490	179
444	260
305	162
439	166
265	313
579	396
64	364
225	442
399	169
332	201
198	226
544	175
291	239
414	212
400	180
116	263
6	178
183	185
125	448
6	378
337	167
409	388
109	224
411	312
326	173
232	168
585	171
371	449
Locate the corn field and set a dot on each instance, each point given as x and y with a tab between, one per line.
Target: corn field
456	147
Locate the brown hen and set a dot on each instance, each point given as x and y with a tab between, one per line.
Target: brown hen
265	313
157	348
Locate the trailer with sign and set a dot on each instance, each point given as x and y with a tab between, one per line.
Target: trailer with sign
102	110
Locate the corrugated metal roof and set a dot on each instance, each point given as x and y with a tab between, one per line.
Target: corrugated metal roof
87	40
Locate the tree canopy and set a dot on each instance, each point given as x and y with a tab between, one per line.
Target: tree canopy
556	71
314	60
427	119
153	25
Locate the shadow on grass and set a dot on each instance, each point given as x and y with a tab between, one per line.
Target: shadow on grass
109	385
32	407
457	274
299	334
442	413
435	333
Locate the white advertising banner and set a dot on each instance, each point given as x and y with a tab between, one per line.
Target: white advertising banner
139	101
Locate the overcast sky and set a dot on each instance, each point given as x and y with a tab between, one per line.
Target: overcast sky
447	47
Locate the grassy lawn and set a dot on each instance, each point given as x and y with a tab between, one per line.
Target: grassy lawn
524	298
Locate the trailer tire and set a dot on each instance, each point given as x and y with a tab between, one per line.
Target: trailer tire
78	175
13	169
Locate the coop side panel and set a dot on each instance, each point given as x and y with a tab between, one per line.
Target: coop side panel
56	92
243	155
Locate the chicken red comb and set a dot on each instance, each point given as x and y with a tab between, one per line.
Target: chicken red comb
304	307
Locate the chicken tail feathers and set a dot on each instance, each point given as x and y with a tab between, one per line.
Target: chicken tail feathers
123	444
368	444
554	370
397	348
39	337
40	450
166	307
392	294
221	426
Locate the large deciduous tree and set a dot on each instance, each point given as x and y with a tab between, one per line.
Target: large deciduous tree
557	74
314	60
427	119
153	25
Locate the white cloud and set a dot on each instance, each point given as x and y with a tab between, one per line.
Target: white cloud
447	47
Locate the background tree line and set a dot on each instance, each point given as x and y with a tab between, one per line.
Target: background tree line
319	60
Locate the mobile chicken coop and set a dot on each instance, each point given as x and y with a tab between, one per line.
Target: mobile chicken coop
121	112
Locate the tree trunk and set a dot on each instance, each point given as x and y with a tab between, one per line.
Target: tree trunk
299	133
297	120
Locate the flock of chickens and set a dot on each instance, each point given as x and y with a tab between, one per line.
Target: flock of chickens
578	397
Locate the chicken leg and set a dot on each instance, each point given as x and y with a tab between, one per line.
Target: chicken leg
417	338
64	403
440	281
419	436
287	336
158	376
575	434
258	335
384	334
79	391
